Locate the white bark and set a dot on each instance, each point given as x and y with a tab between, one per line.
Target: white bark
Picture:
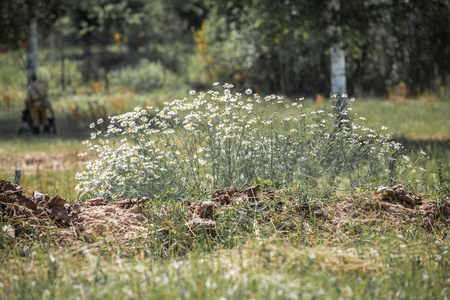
337	66
338	76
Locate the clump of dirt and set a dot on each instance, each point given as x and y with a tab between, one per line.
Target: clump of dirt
252	192
76	223
399	193
201	209
225	196
124	220
433	211
230	195
16	205
201	212
393	206
208	224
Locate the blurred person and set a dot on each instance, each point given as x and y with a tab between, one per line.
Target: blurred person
38	105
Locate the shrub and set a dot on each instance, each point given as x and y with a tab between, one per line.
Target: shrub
144	77
219	138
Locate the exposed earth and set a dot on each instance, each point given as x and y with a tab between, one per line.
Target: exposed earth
41	161
76	224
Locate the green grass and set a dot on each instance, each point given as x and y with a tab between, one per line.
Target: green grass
33	145
415	120
50	182
42	176
358	261
414	265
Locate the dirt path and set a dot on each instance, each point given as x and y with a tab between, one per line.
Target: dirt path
41	162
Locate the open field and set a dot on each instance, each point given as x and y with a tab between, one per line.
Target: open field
416	124
393	268
299	244
300	241
347	246
197	152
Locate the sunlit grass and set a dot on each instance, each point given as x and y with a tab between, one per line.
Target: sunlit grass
247	259
36	158
386	267
51	182
33	145
417	120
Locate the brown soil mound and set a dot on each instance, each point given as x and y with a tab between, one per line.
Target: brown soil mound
200	213
392	207
124	220
375	212
76	223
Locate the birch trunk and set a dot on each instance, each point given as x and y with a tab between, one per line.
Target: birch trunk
32	39
337	66
338	77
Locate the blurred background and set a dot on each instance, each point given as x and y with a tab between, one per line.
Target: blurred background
392	49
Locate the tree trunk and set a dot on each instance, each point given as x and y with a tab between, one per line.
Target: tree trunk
338	77
87	58
337	67
51	43
32	39
281	72
132	44
61	53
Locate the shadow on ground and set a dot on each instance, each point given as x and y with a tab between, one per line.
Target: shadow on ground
65	127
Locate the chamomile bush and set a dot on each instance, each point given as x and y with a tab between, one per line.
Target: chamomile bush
221	138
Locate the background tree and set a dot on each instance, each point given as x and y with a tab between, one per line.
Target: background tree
274	46
337	57
32	39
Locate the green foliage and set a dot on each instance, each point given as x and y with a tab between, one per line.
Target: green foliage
291	44
215	140
443	188
13	71
270	45
144	77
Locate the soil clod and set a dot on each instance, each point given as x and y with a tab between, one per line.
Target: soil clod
122	221
399	193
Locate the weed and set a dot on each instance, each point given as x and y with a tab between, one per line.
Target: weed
213	139
443	188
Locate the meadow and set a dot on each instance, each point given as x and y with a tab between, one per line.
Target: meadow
317	238
417	124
